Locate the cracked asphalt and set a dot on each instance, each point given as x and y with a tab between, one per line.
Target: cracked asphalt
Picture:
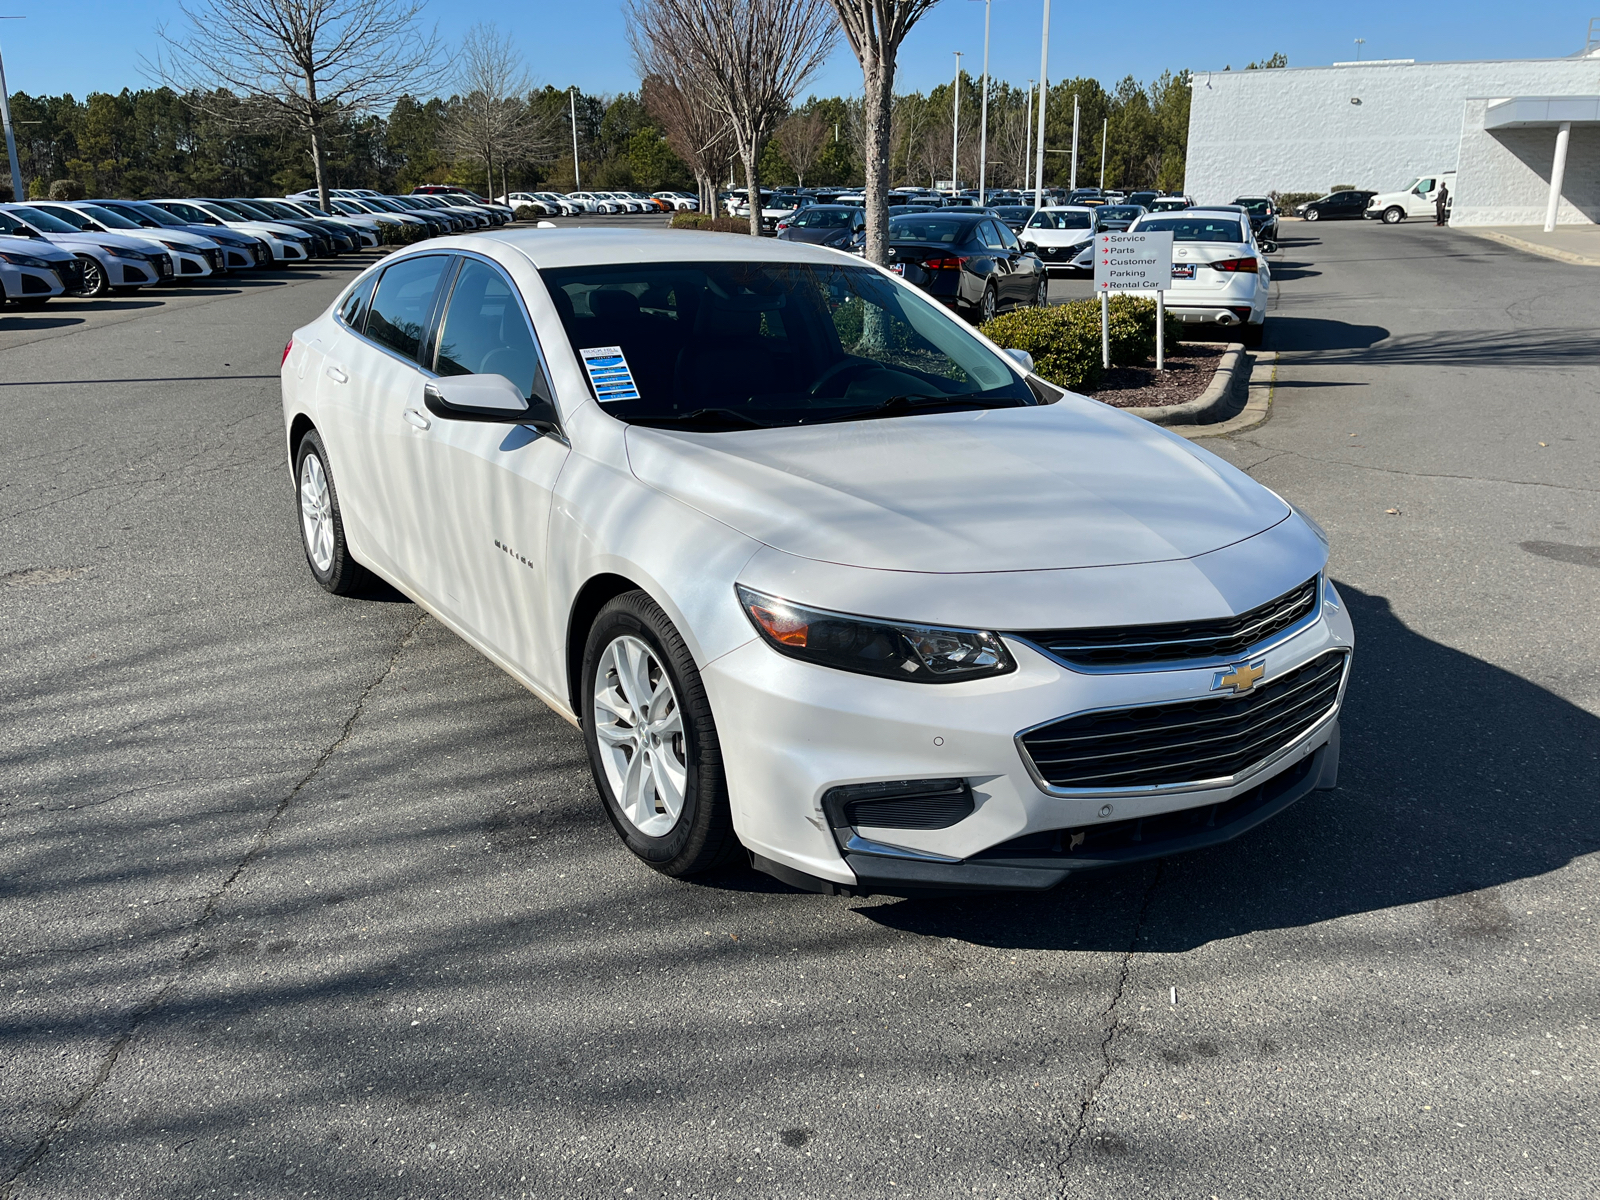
299	896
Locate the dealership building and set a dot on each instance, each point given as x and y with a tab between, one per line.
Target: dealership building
1507	128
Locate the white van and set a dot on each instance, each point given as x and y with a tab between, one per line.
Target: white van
1416	199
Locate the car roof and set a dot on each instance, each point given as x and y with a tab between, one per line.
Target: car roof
603	247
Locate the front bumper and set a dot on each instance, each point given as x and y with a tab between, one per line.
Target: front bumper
793	732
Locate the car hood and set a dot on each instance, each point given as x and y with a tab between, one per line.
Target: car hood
1074	484
121	241
44	250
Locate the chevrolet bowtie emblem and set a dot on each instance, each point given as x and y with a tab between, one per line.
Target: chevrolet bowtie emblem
1240	678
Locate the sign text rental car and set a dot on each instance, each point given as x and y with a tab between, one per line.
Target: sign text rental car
1133	262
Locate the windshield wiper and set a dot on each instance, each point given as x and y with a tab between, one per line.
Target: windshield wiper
729	415
923	400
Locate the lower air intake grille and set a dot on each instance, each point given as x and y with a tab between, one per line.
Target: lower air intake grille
1187	741
905	804
1225	637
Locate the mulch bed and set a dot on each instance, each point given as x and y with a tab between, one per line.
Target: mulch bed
1189	371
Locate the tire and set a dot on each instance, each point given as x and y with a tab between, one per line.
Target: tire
1041	298
322	524
1251	335
1313	215
989	305
1393	215
95	282
632	638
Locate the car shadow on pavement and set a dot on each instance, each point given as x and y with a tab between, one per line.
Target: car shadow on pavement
1321	334
11	323
1457	777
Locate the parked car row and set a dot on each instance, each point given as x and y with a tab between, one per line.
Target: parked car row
51	248
572	204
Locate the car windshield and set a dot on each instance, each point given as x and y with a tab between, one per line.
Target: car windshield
1256	208
1195	229
159	215
1119	212
826	218
744	344
108	218
1012	212
1061	220
41	220
948	230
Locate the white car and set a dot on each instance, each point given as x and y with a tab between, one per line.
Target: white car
1419	198
559	205
193	256
680	201
287	243
1219	274
1059	234
596	202
364	229
33	271
112	262
822	574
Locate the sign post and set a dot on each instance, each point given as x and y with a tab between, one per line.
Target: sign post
1139	263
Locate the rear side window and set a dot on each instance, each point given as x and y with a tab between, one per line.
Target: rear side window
353	311
400	308
485	332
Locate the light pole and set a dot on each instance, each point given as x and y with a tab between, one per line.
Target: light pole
1044	75
955	132
18	193
983	121
1027	153
1360	42
1105	124
1073	186
572	95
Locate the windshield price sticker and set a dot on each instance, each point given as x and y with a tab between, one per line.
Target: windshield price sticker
1133	262
608	371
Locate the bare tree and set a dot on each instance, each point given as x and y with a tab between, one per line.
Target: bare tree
696	134
875	29
801	138
298	61
748	58
492	122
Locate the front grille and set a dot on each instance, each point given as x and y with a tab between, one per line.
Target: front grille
1226	637
70	274
1186	741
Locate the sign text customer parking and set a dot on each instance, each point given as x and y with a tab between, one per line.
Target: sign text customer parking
1133	262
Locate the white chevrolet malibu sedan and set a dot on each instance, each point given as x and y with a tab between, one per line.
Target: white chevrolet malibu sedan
819	572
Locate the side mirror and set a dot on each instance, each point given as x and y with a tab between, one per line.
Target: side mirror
1268	246
489	398
1022	358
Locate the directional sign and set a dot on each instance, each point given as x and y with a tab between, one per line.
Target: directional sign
1132	262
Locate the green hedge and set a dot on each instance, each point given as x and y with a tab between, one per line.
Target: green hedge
705	221
1287	202
398	234
1064	339
526	212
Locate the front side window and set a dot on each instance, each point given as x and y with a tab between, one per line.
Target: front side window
484	331
76	219
738	344
402	303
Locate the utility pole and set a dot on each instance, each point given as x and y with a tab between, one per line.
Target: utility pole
955	132
1074	184
572	95
983	124
19	193
1027	154
1044	74
1360	42
1105	124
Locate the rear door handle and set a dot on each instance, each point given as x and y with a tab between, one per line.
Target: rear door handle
413	417
337	375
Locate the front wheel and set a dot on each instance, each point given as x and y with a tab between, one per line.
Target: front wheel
1313	215
652	742
1394	215
95	282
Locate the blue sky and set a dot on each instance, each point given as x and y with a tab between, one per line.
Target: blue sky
80	46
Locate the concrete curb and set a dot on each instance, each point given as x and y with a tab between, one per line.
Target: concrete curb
1263	382
1505	239
1219	392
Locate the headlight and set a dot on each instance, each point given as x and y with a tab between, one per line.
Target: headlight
890	649
179	246
27	260
119	252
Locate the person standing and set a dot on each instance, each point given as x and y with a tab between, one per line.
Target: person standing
1441	204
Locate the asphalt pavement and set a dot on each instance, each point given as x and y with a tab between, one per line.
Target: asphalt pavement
299	896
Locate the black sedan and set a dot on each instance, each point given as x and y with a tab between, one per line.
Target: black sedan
1336	206
1116	217
1014	215
1263	215
969	262
833	225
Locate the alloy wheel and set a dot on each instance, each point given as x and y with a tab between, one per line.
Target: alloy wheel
986	309
1313	215
95	282
316	513
639	726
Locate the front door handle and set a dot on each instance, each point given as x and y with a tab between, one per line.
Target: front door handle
338	376
413	417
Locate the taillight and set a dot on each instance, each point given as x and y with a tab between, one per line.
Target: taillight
948	263
1236	264
287	347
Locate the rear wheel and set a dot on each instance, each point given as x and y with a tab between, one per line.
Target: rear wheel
1251	335
322	524
652	742
988	305
1041	298
1394	215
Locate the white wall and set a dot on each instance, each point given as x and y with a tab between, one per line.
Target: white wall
1295	130
1505	174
